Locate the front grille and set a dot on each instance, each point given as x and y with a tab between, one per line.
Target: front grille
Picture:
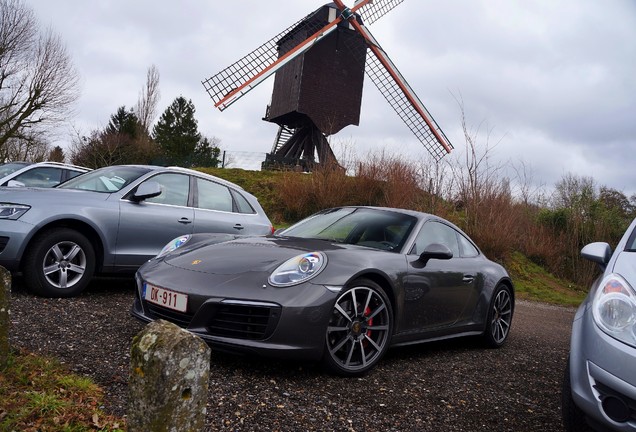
3	243
158	312
244	321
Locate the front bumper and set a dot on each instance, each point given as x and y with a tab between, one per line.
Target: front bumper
244	314
602	375
14	234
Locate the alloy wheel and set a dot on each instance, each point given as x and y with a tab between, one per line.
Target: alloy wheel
64	264
501	316
359	329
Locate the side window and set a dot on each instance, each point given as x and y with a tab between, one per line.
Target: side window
435	232
174	189
41	177
213	196
468	250
242	204
70	174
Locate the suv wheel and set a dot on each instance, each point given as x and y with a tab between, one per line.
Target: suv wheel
59	263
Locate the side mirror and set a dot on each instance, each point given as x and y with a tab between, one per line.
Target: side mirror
149	189
598	252
436	251
15	183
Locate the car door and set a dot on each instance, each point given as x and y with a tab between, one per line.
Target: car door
438	291
217	211
146	227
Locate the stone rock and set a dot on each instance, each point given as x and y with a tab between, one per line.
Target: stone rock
168	387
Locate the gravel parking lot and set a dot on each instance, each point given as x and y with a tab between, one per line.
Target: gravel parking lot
449	386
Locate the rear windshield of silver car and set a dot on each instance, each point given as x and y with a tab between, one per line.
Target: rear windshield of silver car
107	180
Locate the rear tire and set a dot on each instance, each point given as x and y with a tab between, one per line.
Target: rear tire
499	317
359	330
59	263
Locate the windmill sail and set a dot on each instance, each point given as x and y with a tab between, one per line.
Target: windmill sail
375	10
396	90
233	82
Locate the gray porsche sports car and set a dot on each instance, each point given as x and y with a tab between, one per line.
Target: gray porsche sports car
341	286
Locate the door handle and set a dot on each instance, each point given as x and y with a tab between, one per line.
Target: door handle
238	227
184	220
468	278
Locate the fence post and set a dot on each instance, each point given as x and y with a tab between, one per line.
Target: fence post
168	387
5	315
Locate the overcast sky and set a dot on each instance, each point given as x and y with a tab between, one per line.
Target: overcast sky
549	83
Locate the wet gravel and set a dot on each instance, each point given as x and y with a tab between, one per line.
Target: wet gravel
449	386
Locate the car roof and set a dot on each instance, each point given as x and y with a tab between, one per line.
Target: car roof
183	170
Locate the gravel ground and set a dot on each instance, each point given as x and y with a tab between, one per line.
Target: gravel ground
450	386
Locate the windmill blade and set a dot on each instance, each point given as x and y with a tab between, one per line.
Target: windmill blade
407	105
388	79
375	10
233	82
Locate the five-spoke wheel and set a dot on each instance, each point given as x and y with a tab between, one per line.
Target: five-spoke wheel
59	263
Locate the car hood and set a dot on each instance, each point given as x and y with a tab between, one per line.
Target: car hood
259	254
29	195
625	265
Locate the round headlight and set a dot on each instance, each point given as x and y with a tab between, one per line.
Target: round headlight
173	245
298	269
614	308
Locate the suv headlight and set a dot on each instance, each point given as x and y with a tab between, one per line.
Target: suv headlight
614	308
299	269
12	211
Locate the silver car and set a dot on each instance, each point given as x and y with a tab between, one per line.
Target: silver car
40	174
599	387
112	220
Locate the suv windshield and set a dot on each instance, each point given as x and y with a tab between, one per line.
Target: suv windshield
373	228
108	179
8	168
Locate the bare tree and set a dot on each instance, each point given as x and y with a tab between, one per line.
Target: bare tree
146	109
38	83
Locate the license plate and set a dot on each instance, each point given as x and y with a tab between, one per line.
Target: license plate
166	298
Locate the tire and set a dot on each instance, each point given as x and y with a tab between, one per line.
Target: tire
59	263
572	416
359	330
499	317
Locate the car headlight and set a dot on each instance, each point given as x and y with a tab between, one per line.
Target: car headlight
614	308
299	269
173	245
12	211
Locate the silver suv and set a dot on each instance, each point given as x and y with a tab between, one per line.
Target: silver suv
112	220
40	174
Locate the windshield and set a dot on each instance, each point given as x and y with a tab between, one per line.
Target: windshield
8	168
108	179
379	229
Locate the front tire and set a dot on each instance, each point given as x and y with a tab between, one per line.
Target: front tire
499	317
59	263
359	330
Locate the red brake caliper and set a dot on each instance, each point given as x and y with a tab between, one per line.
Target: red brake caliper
367	312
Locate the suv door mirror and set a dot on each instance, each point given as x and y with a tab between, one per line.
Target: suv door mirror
598	252
149	189
15	183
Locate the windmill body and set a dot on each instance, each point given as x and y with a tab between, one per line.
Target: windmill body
319	65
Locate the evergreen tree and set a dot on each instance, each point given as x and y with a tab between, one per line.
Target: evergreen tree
177	133
57	154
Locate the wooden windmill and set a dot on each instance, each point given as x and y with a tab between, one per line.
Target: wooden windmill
320	62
